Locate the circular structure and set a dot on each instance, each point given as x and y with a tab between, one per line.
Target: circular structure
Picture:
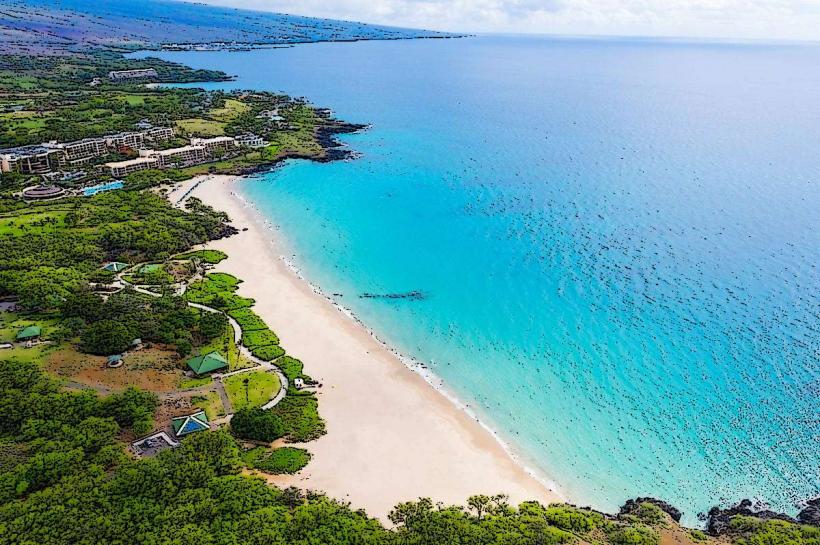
43	192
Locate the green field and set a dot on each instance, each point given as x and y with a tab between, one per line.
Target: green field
201	127
37	223
262	386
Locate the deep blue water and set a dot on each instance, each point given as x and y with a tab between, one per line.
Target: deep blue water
618	241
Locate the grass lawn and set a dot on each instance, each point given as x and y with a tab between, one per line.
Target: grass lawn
211	404
134	100
232	110
262	386
201	127
191	383
37	223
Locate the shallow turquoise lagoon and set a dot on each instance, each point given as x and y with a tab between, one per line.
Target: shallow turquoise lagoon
618	243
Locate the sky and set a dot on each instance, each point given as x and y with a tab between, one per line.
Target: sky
733	19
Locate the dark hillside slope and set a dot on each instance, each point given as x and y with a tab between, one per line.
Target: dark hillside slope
37	26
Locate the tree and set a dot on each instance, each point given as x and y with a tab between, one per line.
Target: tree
106	337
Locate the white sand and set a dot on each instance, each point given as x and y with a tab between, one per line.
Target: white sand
391	437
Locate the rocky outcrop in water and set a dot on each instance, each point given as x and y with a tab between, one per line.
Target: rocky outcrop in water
717	522
811	513
631	506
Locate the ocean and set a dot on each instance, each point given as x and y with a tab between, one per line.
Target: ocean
616	242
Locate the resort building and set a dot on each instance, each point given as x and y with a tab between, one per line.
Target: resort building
31	159
121	169
131	140
225	143
186	155
159	133
208	363
250	141
80	151
183	425
132	74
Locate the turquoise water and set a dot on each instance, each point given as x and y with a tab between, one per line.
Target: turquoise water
110	186
617	241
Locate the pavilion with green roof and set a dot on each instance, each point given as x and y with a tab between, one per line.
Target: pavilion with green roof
208	363
183	425
115	266
29	333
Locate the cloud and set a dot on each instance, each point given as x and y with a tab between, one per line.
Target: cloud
756	19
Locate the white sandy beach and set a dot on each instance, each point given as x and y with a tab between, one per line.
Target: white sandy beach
391	437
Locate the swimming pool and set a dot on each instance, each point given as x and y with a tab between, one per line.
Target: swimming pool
93	190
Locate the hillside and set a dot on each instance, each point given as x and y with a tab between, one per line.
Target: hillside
37	26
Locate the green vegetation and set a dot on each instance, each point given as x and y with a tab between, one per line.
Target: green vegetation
257	424
193	383
211	257
260	387
753	531
300	417
288	460
42	268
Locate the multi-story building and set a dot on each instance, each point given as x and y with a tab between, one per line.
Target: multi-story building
121	169
250	141
186	155
132	140
159	133
225	143
31	159
132	74
80	151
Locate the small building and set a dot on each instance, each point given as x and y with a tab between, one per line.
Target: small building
132	74
151	445
115	266
29	333
208	363
114	361
298	383
144	125
43	193
250	141
271	115
184	425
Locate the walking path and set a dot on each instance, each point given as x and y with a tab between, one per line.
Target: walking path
237	333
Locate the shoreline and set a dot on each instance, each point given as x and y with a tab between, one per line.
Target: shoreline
443	451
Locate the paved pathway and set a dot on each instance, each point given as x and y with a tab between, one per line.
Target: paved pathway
261	365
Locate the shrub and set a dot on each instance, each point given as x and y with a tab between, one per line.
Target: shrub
573	519
288	460
300	415
650	514
257	424
247	319
264	337
268	353
633	535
